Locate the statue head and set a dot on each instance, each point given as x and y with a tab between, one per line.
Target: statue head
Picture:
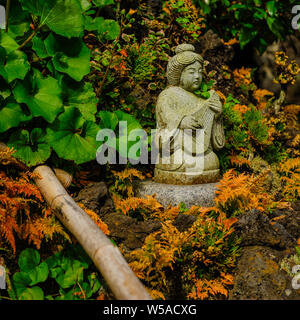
185	68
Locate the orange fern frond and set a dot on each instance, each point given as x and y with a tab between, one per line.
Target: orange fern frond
42	228
102	225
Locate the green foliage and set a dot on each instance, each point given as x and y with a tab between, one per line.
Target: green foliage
257	21
72	137
70	56
33	148
42	95
124	136
43	60
71	269
106	29
61	16
203	91
245	131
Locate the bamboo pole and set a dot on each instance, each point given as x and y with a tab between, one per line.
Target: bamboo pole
107	257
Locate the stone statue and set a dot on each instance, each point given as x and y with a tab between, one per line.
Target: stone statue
189	128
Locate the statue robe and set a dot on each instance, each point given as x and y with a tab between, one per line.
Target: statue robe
173	104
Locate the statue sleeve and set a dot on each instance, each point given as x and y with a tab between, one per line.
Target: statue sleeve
218	135
167	113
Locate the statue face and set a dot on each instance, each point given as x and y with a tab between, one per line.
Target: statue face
191	77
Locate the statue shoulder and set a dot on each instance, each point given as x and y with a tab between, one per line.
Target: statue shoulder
171	90
170	93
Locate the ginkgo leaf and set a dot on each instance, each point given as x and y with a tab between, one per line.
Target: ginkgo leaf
72	137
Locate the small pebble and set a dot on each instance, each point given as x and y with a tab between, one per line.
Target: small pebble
288	292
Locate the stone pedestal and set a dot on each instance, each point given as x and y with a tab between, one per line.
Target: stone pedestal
171	194
186	178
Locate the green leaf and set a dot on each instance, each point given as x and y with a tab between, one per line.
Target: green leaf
247	34
132	124
39	47
72	137
107	29
85	4
7	42
94	282
39	273
73	274
109	120
103	3
21	280
42	95
64	17
34	293
271	7
33	149
276	27
15	67
70	56
28	259
259	13
11	115
19	21
80	95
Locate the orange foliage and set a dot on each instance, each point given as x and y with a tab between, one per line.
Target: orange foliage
242	193
205	288
123	181
159	251
241	108
102	225
230	42
290	170
242	76
221	95
21	205
239	161
147	207
260	95
42	228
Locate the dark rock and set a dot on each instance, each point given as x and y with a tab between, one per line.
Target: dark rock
93	195
108	207
184	221
290	220
258	276
212	49
130	232
255	228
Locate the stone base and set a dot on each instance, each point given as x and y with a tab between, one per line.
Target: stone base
186	178
171	194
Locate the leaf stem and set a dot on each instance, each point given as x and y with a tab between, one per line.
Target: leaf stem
2	297
29	38
7	14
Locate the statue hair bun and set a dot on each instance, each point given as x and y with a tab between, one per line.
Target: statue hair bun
184	47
